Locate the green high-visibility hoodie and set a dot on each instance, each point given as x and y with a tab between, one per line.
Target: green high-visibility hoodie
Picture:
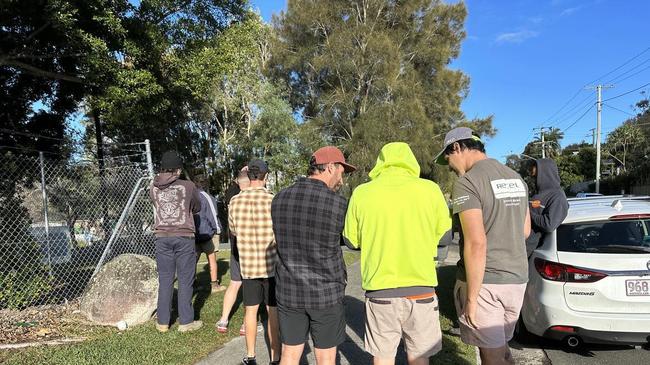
397	220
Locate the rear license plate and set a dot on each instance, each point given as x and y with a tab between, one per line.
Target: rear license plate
636	288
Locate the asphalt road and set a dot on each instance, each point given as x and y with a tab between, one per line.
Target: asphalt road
533	350
589	354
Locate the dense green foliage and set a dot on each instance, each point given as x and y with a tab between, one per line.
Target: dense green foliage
364	73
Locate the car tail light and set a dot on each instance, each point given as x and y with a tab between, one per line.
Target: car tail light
622	217
563	329
559	272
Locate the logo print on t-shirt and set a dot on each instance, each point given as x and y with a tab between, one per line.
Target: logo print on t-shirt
508	188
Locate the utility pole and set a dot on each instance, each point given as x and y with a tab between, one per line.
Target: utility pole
541	137
593	137
599	109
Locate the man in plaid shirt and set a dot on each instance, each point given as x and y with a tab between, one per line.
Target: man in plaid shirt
249	218
308	221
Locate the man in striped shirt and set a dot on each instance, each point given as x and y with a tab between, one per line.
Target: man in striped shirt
250	223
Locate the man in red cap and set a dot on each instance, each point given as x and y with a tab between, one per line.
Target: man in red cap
310	274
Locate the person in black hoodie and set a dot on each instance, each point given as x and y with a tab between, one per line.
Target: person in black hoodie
548	206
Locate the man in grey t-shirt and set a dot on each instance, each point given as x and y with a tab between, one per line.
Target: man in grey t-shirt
491	201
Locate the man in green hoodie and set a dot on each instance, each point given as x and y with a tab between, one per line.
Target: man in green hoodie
396	220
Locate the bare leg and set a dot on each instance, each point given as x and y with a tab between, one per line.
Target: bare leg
250	323
418	360
291	354
497	356
212	262
325	356
383	361
274	332
229	299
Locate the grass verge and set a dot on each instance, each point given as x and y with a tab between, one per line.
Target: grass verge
143	344
454	351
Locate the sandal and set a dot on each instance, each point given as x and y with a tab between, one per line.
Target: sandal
222	326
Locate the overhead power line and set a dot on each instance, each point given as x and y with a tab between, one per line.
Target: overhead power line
617	109
627	62
617	78
621	66
634	74
565	104
577	120
627	92
578	108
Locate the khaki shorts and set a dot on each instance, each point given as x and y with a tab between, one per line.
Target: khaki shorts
390	319
497	312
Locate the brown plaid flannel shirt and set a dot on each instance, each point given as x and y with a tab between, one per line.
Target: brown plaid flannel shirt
249	218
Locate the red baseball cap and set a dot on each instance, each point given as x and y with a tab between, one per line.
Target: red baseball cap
331	154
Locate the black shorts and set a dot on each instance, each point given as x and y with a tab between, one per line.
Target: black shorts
258	291
327	325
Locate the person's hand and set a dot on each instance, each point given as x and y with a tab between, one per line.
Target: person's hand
470	314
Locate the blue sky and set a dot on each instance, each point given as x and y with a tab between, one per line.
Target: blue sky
526	59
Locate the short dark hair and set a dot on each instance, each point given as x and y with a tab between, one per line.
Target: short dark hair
467	144
255	174
315	168
201	181
169	170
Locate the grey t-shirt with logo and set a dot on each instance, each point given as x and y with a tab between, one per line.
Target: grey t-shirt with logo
502	196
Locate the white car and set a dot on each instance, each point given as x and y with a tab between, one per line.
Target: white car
589	281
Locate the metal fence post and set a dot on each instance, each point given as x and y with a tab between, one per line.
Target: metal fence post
118	226
147	146
45	218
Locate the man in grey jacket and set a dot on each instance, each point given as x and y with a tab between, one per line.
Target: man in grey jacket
548	206
175	202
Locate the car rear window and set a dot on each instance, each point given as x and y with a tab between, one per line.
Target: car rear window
628	236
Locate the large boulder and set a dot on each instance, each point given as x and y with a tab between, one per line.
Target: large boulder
125	289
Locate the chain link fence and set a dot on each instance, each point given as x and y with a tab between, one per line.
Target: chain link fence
61	220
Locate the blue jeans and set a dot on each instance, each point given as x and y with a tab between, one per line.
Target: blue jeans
175	255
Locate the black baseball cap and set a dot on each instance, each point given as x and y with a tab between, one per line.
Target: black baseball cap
257	165
170	160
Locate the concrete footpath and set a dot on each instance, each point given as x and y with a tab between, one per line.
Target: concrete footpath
350	352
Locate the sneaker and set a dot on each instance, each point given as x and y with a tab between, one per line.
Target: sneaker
454	331
222	326
275	362
190	326
249	361
162	327
216	287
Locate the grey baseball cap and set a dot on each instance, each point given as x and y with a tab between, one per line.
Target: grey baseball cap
454	135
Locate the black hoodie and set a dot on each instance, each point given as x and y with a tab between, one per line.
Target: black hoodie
549	206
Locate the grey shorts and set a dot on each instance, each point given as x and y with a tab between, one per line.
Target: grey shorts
235	271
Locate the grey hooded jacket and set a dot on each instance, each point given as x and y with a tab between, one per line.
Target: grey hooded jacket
548	207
